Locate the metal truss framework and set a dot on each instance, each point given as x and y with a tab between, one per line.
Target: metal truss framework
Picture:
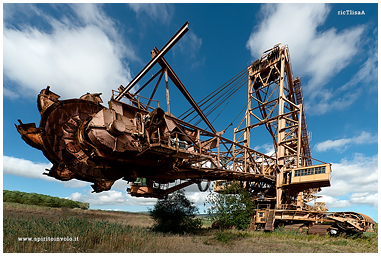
275	101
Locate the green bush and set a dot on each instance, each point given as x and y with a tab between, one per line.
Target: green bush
83	205
228	236
232	207
41	200
12	196
176	214
223	237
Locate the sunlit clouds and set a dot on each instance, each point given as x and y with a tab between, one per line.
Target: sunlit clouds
73	58
317	54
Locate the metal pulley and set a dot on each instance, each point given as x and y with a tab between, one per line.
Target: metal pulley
206	187
117	127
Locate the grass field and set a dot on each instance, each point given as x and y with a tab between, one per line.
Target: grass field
108	231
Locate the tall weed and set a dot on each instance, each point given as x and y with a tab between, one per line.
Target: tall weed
86	235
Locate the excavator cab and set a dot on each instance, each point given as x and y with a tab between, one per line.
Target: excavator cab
315	176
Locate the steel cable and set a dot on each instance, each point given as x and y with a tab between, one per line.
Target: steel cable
222	93
228	92
227	98
213	94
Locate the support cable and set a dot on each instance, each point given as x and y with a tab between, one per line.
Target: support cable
213	94
237	116
224	96
226	106
226	99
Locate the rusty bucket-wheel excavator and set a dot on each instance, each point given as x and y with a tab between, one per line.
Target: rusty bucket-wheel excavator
159	153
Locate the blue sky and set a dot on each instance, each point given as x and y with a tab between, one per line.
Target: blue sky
80	48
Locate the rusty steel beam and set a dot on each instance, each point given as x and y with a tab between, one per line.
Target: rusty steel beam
149	81
155	59
176	80
154	90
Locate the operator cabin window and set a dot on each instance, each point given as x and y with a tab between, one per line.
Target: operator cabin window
304	172
260	214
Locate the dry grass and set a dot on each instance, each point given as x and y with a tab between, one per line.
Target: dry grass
104	231
125	218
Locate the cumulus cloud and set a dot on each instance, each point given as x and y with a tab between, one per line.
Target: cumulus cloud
112	197
162	12
92	15
342	144
329	144
81	53
198	198
365	198
29	169
334	202
115	197
356	179
316	54
118	195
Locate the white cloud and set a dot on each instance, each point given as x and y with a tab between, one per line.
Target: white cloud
115	210
190	46
281	22
329	144
342	144
198	198
268	149
156	11
10	10
29	169
117	196
112	197
365	198
25	168
365	138
92	15
334	202
367	73
120	185
80	54
356	179
316	54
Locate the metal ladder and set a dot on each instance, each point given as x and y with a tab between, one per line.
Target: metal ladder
270	219
305	136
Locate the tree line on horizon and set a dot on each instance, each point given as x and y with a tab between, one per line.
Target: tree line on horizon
41	200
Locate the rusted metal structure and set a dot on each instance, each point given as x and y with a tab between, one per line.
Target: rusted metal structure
160	153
